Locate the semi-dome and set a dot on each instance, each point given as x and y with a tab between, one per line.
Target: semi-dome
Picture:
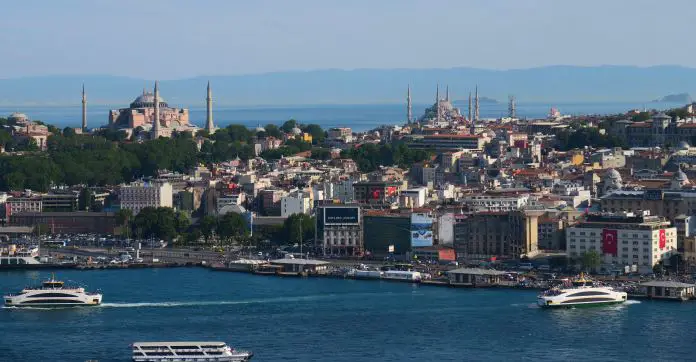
296	131
147	100
683	145
259	129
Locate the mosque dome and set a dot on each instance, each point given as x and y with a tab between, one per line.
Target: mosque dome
612	174
680	176
259	129
683	145
18	117
296	131
147	100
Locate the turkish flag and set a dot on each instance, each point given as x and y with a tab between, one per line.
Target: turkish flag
663	239
610	242
375	194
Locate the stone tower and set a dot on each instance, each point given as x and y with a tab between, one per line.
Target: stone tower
437	102
156	120
209	111
84	109
476	106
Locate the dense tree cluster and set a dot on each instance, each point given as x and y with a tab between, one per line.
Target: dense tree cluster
579	138
162	223
370	156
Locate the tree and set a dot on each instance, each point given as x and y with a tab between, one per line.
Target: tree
296	225
85	199
316	131
273	131
231	226
288	125
208	224
156	222
68	132
591	260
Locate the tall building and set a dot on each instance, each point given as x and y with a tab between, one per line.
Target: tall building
437	102
511	234
209	127
84	109
512	107
624	239
139	195
339	229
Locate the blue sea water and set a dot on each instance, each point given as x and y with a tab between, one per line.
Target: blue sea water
359	117
295	319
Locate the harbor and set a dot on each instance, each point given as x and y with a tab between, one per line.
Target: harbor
273	315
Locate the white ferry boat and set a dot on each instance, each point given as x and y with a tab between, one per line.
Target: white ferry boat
187	351
52	293
364	274
581	293
407	276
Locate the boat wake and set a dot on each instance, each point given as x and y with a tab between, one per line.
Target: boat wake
176	304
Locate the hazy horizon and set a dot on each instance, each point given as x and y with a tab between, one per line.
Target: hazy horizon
220	37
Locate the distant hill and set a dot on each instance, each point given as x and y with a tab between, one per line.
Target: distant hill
365	86
674	98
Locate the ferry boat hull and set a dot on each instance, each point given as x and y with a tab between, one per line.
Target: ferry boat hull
543	304
187	351
52	293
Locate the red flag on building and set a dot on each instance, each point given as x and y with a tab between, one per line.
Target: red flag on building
663	239
610	242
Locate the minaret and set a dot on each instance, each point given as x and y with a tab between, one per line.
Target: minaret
209	114
156	120
512	107
447	94
437	102
476	105
84	109
409	117
473	124
470	106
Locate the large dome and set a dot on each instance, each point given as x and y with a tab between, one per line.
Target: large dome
683	145
612	174
147	100
680	176
18	117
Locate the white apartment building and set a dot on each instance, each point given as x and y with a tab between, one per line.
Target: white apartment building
414	197
297	202
574	194
139	195
624	239
486	202
341	190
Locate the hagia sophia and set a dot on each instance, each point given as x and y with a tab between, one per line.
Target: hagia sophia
144	110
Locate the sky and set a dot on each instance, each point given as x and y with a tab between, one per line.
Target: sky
174	39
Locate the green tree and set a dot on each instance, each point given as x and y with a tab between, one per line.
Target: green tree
288	125
273	131
232	226
85	200
591	260
208	224
299	227
316	131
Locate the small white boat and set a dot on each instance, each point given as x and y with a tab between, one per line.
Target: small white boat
582	293
52	293
188	351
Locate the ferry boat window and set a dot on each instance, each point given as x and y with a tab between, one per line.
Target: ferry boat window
583	294
50	295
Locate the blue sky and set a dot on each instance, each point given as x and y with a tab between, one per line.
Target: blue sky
171	39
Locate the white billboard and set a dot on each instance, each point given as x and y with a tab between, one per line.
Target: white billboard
421	230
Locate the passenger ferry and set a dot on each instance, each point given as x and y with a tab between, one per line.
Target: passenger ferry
402	275
52	293
24	256
187	351
581	293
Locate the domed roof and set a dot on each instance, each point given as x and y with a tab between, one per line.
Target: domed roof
147	100
661	115
683	145
260	129
296	131
680	176
16	116
613	174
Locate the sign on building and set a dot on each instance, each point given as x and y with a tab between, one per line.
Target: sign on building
421	230
341	215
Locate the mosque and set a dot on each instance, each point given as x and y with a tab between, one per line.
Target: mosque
150	106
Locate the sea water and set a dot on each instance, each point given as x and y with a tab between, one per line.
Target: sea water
309	319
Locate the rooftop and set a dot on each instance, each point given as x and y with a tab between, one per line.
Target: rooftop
477	271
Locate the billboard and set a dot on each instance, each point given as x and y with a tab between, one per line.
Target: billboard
421	230
341	215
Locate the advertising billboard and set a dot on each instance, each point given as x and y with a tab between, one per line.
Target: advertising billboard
421	230
341	215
